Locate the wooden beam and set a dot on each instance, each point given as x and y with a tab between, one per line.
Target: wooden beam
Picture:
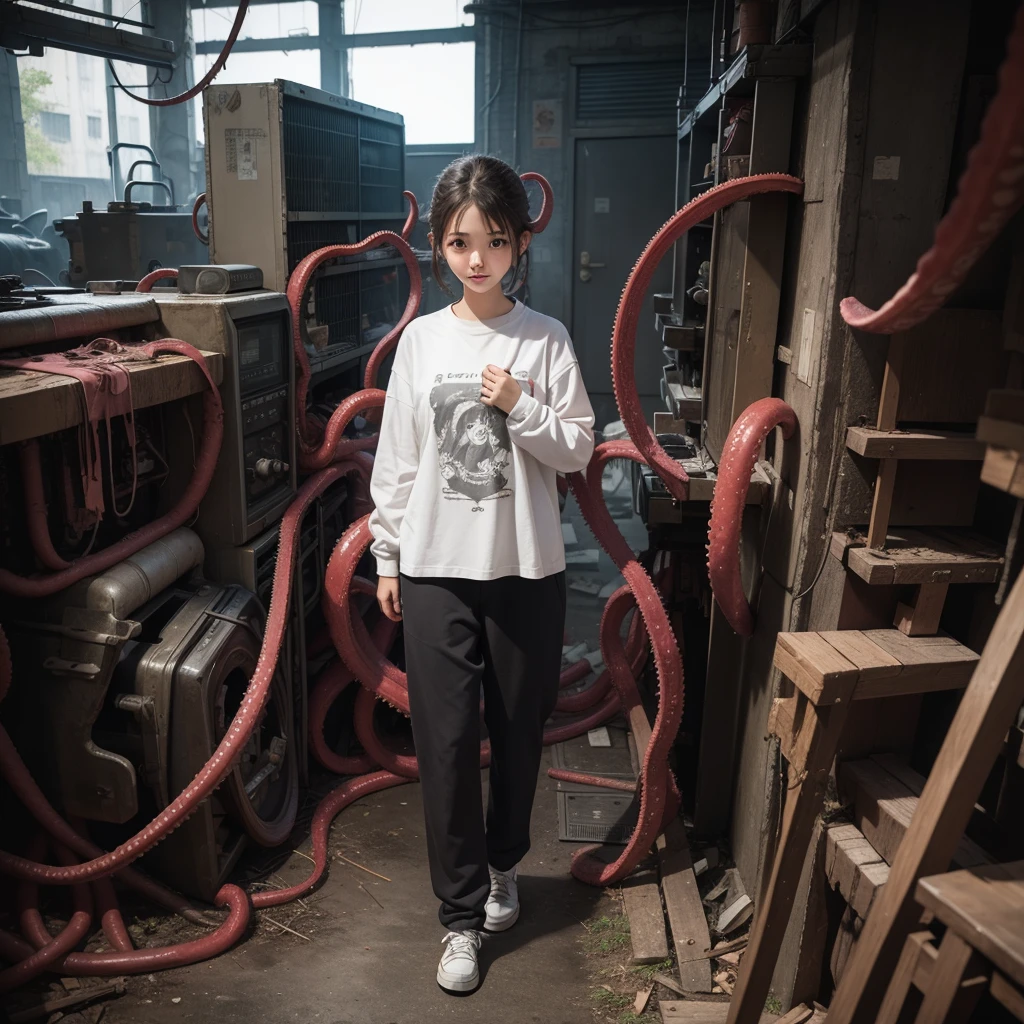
1001	433
33	404
914	444
972	743
881	503
1004	468
922	618
854	866
804	796
917	951
884	807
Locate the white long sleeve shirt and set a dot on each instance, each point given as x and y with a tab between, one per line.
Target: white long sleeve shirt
461	489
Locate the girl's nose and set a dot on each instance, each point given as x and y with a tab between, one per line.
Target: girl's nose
475	260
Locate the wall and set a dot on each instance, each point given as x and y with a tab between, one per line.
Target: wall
505	98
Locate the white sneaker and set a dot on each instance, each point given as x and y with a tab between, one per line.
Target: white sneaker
458	971
502	907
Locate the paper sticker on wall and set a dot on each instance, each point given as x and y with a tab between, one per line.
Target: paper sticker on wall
602	205
241	151
547	124
886	168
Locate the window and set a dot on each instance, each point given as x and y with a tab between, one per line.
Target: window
56	127
95	128
128	128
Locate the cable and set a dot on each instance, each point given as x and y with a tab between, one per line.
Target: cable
210	75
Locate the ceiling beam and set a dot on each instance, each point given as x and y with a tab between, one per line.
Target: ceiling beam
461	34
26	28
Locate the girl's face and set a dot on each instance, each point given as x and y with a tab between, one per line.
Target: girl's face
478	253
476	429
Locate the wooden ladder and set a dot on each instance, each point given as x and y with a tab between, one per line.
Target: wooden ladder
827	671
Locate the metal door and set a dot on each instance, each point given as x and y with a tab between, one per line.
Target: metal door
623	193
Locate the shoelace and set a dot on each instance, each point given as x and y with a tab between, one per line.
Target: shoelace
461	944
500	882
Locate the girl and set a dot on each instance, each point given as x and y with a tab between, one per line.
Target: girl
485	405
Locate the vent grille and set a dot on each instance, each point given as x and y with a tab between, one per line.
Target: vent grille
628	90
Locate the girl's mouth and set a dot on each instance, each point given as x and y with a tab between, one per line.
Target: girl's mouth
478	277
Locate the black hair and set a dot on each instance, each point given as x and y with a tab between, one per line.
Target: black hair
494	188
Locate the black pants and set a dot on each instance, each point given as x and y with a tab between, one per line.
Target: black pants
504	635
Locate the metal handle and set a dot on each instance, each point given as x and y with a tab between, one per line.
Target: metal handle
585	261
153	184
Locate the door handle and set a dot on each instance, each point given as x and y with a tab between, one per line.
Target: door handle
586	265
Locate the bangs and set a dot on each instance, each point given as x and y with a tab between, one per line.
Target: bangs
491	210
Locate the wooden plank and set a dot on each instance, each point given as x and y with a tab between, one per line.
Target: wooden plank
766	240
717	764
1001	433
985	906
690	1011
959	979
881	504
860	650
889	399
854	866
850	926
723	326
918	948
919	556
684	908
33	404
884	807
641	899
814	666
914	444
804	797
1007	994
951	337
922	618
929	663
792	720
1004	468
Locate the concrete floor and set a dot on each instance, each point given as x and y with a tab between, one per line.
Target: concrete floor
374	945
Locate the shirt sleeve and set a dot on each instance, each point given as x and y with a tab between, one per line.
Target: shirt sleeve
394	473
559	434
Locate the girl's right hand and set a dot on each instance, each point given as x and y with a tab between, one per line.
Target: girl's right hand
389	597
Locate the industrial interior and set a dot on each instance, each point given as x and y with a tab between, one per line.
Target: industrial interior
784	780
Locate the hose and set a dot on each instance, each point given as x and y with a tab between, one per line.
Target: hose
222	57
90	565
35	507
220	763
739	454
989	193
160	274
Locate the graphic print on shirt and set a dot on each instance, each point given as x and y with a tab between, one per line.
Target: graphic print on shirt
474	449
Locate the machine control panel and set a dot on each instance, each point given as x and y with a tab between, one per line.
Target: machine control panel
265	423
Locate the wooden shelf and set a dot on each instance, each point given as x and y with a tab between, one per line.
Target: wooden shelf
879	662
33	404
914	444
920	556
789	60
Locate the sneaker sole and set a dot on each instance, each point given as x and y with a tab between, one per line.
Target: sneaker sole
457	986
504	925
